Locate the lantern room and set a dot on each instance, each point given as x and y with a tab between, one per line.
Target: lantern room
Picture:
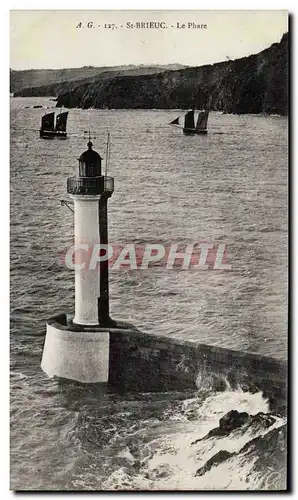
90	163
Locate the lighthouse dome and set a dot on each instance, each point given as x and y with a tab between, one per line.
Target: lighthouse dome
90	163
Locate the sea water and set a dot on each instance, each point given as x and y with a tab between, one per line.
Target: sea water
227	187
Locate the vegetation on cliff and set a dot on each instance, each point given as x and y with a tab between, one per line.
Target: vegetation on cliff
253	84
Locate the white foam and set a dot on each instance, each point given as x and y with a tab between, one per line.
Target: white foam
174	461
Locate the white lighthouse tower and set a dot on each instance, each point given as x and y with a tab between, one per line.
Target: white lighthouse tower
78	348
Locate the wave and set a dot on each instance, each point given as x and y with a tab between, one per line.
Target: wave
205	448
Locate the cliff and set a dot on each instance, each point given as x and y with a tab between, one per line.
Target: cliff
253	84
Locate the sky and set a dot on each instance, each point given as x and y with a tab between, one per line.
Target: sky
51	38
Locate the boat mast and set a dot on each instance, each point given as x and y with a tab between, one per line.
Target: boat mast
108	154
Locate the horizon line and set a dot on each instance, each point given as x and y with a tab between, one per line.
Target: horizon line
104	66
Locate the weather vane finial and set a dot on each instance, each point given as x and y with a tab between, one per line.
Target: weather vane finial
89	136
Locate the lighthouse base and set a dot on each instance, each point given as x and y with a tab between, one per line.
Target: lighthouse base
76	354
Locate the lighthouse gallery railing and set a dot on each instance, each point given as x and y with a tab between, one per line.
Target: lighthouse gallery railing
90	185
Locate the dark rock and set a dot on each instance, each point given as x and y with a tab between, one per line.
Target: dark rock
232	420
268	455
229	422
264	420
218	458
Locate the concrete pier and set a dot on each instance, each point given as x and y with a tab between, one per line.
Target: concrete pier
131	360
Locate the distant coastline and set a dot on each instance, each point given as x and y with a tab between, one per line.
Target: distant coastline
254	84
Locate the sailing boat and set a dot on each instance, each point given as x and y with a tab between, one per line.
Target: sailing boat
189	127
49	129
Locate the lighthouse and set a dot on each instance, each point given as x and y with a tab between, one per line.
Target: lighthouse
77	348
90	192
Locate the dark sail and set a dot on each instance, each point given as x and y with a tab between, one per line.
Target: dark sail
175	122
202	120
47	121
61	121
189	122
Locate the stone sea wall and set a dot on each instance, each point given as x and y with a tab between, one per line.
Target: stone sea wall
146	363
